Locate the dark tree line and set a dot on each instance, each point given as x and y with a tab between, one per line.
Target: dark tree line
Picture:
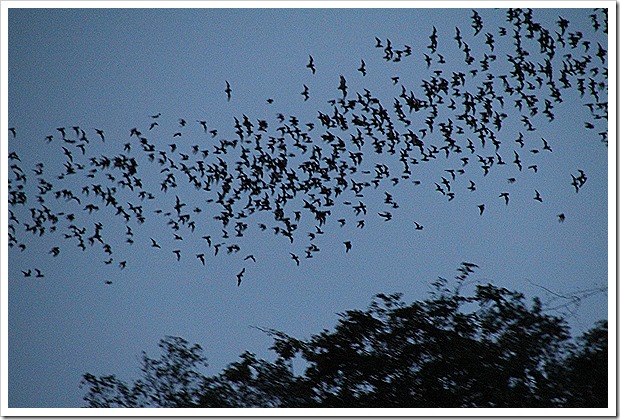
490	348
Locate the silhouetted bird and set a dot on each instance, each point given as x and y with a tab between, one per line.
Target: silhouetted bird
311	66
228	91
362	68
537	197
240	276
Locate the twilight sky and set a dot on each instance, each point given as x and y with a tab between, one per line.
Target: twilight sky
113	69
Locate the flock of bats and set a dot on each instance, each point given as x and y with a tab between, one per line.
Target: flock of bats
299	179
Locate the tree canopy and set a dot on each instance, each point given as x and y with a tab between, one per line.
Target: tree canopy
490	348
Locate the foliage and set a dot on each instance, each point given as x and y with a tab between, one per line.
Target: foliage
488	349
586	374
174	380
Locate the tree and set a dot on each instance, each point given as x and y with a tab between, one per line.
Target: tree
586	369
173	380
488	349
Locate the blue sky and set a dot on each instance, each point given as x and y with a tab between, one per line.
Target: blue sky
112	69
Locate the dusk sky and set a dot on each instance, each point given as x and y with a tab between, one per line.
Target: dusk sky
114	69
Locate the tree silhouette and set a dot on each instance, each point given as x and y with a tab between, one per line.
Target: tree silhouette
585	376
486	349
